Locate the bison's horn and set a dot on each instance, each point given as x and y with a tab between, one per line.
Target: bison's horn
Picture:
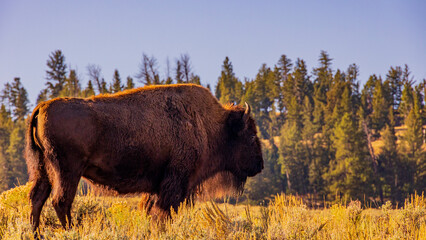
247	112
248	109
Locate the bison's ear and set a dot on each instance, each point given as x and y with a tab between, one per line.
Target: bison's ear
235	122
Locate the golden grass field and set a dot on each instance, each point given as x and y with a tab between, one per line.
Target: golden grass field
286	217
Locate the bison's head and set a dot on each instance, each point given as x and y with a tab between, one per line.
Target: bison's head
245	154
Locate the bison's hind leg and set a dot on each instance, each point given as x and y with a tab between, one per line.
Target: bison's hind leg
64	196
38	196
66	178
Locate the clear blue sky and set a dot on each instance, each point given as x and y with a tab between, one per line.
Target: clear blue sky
113	34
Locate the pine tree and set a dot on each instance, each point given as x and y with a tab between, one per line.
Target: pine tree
391	167
169	79
4	174
276	115
249	97
89	91
302	84
21	100
346	103
313	149
423	84
413	141
292	150
380	107
287	91
297	83
56	73
42	96
104	88
322	83
394	78
5	117
323	74
195	79
228	89
16	97
407	100
349	173
263	97
72	86
367	99
5	130
16	165
12	135
129	84
352	74
178	72
406	78
116	82
6	95
414	136
283	70
264	84
333	110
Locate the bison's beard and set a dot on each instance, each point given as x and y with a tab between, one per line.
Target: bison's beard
220	185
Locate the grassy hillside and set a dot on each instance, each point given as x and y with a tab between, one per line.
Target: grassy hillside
287	217
399	132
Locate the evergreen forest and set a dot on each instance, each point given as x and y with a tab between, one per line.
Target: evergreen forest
324	134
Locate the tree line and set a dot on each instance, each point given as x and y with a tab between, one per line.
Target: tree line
322	133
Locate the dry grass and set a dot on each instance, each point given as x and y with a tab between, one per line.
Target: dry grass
285	218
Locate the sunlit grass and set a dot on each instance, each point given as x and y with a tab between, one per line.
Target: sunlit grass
286	217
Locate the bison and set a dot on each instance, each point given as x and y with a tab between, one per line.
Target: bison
162	140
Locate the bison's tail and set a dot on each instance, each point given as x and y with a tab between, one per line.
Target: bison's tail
33	148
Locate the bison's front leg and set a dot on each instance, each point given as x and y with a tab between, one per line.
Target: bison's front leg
173	191
147	202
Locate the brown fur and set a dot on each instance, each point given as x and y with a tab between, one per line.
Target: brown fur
161	140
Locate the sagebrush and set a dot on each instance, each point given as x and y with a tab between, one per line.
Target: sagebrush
286	217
